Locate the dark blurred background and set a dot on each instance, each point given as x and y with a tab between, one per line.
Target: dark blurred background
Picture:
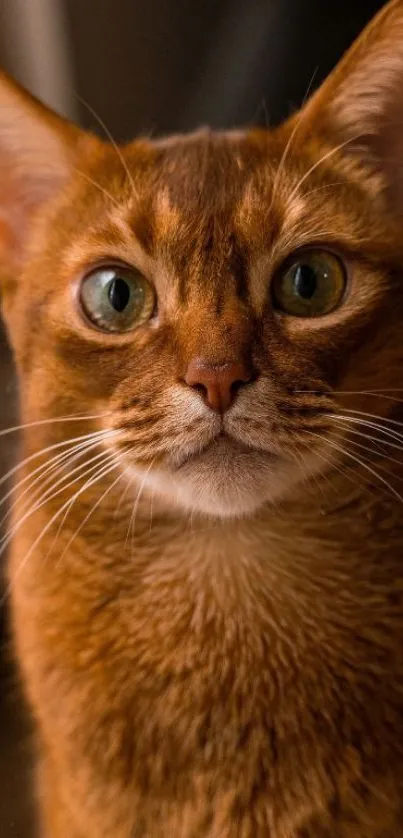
151	66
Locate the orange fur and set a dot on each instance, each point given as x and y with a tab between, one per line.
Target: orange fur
211	632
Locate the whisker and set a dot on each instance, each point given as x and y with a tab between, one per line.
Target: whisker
360	462
301	460
288	145
103	456
75	417
373	416
133	516
282	163
48	496
125	491
377	393
382	396
88	516
389	433
345	471
321	160
325	186
98	435
380	441
371	452
369	392
98	186
151	510
111	140
49	465
50	523
57	465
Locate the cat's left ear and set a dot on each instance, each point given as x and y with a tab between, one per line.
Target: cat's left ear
38	151
360	106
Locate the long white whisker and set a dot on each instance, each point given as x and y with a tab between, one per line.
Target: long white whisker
382	396
88	516
389	433
78	417
20	465
49	495
370	392
345	471
371	452
48	468
384	442
50	523
103	456
373	416
359	461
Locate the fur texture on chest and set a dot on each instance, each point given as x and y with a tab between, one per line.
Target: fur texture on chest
241	669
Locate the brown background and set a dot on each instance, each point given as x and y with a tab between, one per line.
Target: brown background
152	66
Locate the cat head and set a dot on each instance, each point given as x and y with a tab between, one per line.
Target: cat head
212	298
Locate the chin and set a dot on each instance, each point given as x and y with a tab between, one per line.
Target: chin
225	481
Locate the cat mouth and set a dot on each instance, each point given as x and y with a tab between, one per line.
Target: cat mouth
222	446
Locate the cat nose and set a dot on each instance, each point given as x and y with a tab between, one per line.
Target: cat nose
217	383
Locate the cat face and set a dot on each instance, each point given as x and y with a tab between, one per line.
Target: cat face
206	311
214	299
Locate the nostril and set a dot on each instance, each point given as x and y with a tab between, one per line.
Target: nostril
236	386
218	384
200	388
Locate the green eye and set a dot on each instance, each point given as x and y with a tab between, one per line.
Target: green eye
310	285
117	299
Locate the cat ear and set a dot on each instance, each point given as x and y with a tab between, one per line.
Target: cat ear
37	153
360	105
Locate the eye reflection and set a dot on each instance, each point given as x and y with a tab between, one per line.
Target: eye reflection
310	285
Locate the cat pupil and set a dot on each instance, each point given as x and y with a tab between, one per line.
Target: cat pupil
119	294
305	282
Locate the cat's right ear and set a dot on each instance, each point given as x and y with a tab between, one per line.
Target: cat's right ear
38	150
358	110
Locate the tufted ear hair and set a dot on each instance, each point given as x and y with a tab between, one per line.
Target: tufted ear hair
360	105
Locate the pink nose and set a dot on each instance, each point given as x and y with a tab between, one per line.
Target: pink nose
217	383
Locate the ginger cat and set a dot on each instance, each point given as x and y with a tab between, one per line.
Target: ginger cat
206	564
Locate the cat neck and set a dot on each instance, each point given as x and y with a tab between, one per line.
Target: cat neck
313	528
